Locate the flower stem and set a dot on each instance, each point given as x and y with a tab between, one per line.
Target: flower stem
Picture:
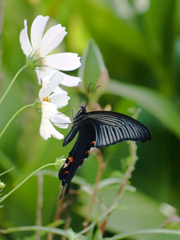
7	195
7	90
30	105
6	171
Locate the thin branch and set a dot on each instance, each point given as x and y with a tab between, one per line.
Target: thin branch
60	208
127	176
98	177
67	225
39	205
102	216
106	214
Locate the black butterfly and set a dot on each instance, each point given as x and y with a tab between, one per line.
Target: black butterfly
97	129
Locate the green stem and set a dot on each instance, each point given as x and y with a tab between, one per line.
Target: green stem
30	105
20	70
39	228
7	195
6	171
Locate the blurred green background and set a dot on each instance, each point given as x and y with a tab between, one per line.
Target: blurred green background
140	45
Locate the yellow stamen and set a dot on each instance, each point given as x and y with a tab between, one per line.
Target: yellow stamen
46	99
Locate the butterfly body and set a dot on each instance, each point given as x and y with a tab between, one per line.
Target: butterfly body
97	129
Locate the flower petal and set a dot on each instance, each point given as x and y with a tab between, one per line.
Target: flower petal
24	40
47	129
41	93
49	110
61	121
60	99
70	81
37	30
43	72
58	89
52	38
63	61
55	78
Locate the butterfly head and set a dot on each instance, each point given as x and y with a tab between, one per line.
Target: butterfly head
80	113
82	108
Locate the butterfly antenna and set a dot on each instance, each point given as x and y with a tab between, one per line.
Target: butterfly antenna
93	93
88	94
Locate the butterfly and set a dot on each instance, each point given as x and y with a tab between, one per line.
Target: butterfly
97	129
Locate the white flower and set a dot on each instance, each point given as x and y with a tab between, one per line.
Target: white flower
53	97
40	46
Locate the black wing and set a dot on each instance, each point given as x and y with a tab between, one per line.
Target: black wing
98	129
80	151
112	127
71	135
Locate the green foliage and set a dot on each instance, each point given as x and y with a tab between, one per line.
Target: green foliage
133	54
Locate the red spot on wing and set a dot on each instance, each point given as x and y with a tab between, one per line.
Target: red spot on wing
66	172
70	159
87	152
93	143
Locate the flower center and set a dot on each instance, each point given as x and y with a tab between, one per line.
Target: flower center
35	60
46	99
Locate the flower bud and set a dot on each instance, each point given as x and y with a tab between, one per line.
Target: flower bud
2	185
59	162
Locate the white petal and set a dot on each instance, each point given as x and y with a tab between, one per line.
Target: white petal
63	61
61	121
45	81
42	72
55	78
70	81
41	91
37	30
47	129
24	40
38	72
60	99
58	89
52	38
49	110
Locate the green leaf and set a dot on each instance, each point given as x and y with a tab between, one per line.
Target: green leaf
160	30
137	211
90	234
98	235
157	104
112	30
7	163
92	64
160	24
37	228
145	231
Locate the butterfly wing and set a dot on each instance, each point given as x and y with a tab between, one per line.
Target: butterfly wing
112	127
80	151
98	129
71	135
